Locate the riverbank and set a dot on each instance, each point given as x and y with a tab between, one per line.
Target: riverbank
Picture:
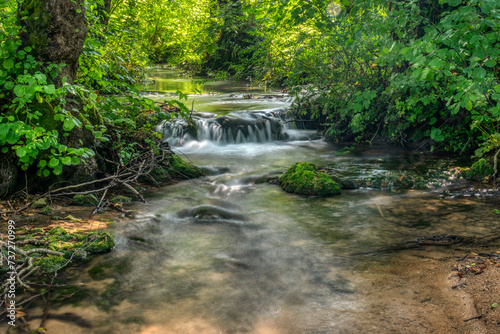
418	291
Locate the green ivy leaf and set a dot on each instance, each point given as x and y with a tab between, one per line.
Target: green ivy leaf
21	151
75	160
12	137
8	64
20	90
53	162
9	85
58	170
66	160
436	134
49	89
68	124
46	172
42	78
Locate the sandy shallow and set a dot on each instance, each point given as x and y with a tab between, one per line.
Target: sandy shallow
419	291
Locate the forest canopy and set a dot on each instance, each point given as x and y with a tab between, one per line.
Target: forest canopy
422	74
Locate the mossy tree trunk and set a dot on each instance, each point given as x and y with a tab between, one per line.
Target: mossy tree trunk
56	30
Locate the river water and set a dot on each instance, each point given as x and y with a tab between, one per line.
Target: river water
230	253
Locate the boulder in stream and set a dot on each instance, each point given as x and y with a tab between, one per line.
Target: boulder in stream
304	178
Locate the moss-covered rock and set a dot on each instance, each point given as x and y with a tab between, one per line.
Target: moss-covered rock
100	243
305	179
181	168
479	170
120	199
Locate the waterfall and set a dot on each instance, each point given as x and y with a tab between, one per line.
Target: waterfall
234	128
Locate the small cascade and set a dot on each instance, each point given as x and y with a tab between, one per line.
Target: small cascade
234	128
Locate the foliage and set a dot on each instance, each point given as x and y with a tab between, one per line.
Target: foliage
305	179
38	115
32	108
412	72
479	170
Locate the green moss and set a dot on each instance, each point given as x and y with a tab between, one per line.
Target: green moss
120	199
100	243
58	230
85	200
479	170
181	168
305	179
50	264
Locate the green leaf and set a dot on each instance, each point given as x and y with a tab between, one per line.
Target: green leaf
436	134
75	160
12	137
469	105
68	124
5	149
490	63
42	78
49	89
8	64
66	160
46	172
53	162
9	85
42	163
58	170
20	90
497	88
21	151
478	73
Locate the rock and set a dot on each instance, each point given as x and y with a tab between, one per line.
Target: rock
210	213
120	199
304	178
183	169
39	203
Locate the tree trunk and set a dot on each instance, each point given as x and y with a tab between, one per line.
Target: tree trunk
56	30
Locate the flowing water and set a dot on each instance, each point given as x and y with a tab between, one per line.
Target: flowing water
230	253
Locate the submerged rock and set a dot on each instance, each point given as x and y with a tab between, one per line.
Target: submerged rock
304	178
210	213
183	168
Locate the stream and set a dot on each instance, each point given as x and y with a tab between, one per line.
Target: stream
231	253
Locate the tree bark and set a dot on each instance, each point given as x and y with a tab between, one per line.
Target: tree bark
56	31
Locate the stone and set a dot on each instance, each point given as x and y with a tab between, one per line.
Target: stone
304	178
39	203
